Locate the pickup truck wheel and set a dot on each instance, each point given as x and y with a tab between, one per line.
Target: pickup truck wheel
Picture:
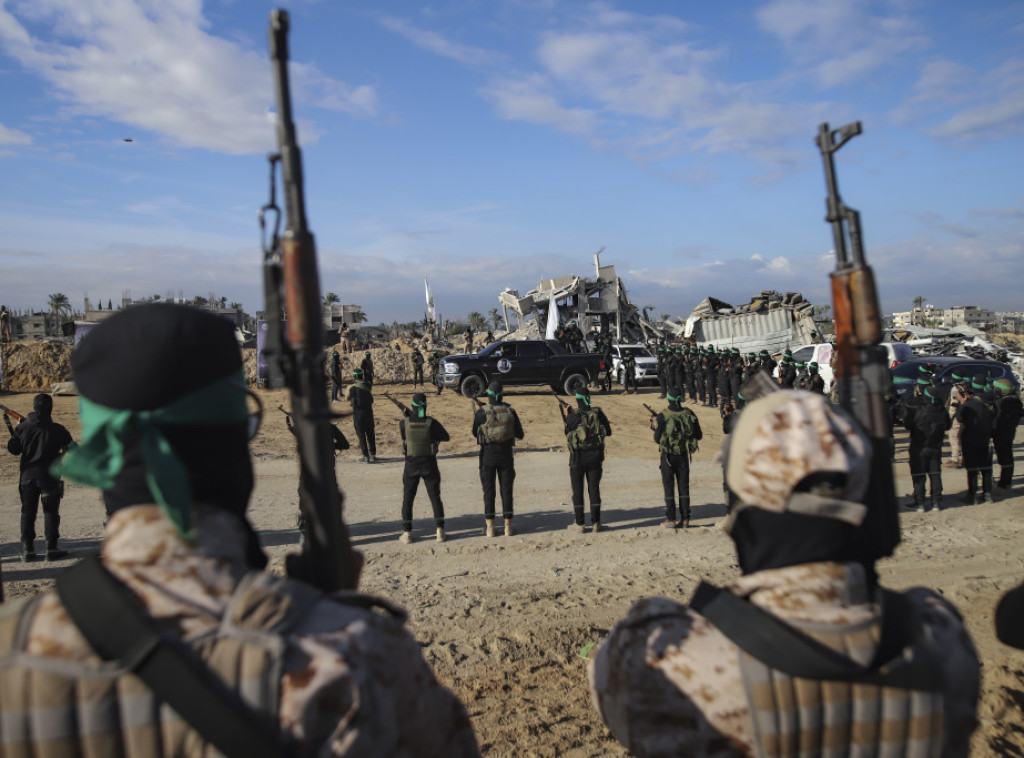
473	386
574	382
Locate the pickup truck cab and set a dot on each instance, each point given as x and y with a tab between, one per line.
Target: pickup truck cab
521	363
646	364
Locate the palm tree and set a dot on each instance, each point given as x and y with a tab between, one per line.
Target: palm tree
477	322
330	299
358	316
59	304
495	315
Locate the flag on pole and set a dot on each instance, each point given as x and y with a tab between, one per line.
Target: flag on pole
430	301
552	318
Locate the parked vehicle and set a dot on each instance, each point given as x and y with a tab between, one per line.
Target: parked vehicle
519	363
646	363
905	375
821	353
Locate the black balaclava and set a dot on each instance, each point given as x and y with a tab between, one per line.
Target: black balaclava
675	395
145	358
494	393
42	404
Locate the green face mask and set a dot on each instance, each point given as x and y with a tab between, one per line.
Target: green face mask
105	431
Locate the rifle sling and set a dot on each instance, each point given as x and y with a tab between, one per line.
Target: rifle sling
112	621
785	648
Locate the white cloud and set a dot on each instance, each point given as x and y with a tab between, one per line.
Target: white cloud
13	137
435	43
842	42
526	100
156	66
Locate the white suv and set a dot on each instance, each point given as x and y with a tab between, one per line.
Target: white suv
646	364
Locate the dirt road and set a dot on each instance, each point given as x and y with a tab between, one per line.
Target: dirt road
502	620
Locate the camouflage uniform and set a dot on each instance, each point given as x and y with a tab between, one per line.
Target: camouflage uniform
668	682
352	682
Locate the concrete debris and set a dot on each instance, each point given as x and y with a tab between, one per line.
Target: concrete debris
601	304
771	321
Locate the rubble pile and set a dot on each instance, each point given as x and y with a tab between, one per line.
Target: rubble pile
35	366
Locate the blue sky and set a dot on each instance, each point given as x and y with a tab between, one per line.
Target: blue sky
492	143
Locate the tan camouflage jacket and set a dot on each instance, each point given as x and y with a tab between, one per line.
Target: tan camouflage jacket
339	660
668	683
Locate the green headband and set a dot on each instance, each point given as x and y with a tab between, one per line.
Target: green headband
492	393
584	398
100	457
672	399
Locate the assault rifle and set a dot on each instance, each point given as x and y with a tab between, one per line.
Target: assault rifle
861	372
7	417
477	403
563	407
401	406
292	286
654	414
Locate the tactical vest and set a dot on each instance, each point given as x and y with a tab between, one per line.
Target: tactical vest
588	434
678	438
499	425
794	717
54	706
417	438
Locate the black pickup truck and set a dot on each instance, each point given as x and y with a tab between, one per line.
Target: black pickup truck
521	362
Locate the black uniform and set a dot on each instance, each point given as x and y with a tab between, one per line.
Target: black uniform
497	458
976	424
336	380
927	423
1008	413
711	378
628	367
417	368
39	441
587	464
367	367
607	384
361	398
663	370
419	443
675	466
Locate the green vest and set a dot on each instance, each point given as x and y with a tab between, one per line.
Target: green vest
417	438
499	425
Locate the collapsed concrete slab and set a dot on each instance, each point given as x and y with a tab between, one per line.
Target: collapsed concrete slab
601	303
771	321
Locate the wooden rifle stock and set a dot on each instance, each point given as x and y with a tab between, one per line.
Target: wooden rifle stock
862	376
328	560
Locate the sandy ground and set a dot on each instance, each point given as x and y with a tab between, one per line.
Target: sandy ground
502	621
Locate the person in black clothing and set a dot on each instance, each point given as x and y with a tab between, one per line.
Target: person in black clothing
496	427
367	368
724	385
341	443
927	421
628	369
360	397
417	368
711	376
735	375
976	425
40	441
787	370
586	427
815	382
699	373
420	437
336	383
676	430
1008	413
663	361
606	385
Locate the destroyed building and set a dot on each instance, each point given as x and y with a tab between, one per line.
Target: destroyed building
601	303
770	321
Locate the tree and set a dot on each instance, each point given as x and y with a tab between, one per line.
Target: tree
235	306
59	304
496	318
477	322
330	299
358	316
666	316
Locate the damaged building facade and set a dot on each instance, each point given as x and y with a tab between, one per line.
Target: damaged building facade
601	304
771	321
